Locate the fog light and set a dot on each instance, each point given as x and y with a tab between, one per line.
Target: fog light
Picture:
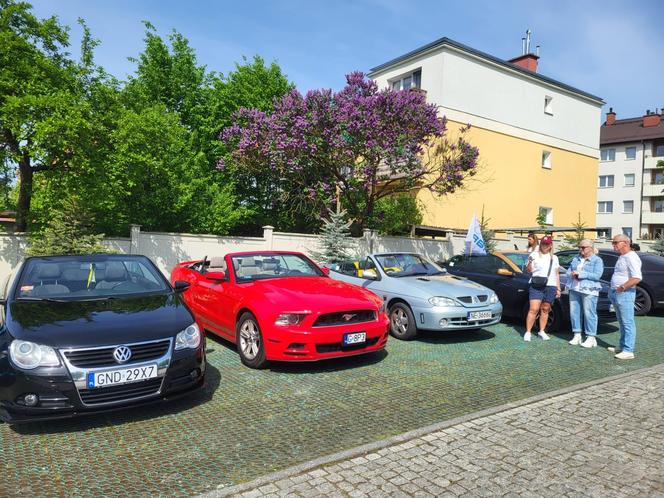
194	374
443	322
31	399
295	345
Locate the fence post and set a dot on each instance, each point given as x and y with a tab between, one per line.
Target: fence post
268	232
135	234
368	236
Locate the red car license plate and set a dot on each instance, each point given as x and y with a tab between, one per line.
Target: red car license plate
355	338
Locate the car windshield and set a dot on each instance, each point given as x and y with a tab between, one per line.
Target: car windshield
520	259
259	266
407	265
91	277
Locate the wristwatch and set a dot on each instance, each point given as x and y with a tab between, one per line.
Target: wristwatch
622	288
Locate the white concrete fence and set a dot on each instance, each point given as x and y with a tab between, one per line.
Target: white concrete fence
167	249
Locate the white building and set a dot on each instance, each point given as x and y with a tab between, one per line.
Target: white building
630	187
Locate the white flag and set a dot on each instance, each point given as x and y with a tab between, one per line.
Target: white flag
474	240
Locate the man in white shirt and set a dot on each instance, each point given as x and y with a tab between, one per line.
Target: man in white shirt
626	274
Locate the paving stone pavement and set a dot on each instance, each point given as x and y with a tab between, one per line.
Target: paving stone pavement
602	440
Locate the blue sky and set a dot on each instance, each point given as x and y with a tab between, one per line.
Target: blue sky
610	48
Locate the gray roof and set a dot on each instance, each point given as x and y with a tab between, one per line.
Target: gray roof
449	42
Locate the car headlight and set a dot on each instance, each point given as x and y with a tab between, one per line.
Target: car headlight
29	355
442	301
493	298
289	319
188	338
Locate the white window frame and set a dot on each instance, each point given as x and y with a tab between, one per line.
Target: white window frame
404	77
602	207
606	182
548	214
627	158
546	159
603	233
548	105
633	179
627	203
610	155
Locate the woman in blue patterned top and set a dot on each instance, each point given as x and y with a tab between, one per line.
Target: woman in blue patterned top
585	271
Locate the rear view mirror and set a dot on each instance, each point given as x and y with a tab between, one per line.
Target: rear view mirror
216	275
181	285
370	274
325	270
505	272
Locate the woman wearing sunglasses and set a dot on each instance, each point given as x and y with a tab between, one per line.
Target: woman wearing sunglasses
585	270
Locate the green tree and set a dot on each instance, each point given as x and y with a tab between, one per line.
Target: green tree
487	233
571	241
68	232
658	247
396	214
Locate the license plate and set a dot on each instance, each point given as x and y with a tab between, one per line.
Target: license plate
355	338
121	376
479	315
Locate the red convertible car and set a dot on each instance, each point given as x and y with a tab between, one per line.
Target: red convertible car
282	306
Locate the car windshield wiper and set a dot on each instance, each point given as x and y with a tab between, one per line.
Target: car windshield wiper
47	299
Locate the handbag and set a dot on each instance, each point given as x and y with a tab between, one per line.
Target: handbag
539	283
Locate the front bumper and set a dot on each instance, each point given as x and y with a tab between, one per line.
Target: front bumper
455	318
60	398
313	344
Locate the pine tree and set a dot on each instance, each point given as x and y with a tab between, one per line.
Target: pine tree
571	241
487	233
335	239
658	247
66	233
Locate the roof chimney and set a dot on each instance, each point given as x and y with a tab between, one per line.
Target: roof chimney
610	117
650	119
527	60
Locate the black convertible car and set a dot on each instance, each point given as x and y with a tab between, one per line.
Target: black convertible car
81	334
649	292
499	271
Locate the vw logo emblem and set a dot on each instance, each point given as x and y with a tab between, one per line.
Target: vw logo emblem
348	316
122	354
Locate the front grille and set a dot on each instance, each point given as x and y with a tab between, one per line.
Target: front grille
338	346
103	357
125	392
481	298
462	322
345	318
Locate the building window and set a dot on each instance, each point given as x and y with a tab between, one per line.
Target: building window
628	207
657	205
657	177
548	105
605	207
658	149
629	179
546	159
604	233
546	214
608	154
606	181
630	153
627	231
412	80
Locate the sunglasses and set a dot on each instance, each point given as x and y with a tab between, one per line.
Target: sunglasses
584	247
616	242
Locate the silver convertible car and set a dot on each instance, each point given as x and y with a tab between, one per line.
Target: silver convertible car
420	294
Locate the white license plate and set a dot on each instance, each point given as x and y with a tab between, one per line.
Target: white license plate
121	376
355	338
479	315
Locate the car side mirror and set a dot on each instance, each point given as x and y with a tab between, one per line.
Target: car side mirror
325	270
216	275
181	285
370	274
505	272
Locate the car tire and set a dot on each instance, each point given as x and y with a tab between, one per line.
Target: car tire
249	340
402	322
642	302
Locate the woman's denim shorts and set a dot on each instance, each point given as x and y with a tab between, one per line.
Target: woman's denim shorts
548	294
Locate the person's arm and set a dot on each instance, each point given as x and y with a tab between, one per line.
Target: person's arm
570	272
557	270
635	276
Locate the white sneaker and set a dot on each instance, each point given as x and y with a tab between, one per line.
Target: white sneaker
624	355
590	342
614	349
544	336
576	340
527	336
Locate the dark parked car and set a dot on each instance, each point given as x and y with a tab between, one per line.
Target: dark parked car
499	272
81	334
649	292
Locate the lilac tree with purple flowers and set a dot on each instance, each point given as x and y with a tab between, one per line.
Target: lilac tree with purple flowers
361	143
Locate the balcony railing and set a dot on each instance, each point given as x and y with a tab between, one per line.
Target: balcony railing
651	217
651	162
656	190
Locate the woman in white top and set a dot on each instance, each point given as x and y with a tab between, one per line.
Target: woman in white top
532	243
544	286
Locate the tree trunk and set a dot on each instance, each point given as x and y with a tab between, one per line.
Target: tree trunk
24	194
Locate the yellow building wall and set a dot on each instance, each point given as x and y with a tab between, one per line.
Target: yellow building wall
511	184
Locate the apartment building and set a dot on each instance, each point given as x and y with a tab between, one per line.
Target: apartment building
630	186
538	137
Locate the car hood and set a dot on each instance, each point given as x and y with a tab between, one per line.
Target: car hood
98	323
321	294
443	285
